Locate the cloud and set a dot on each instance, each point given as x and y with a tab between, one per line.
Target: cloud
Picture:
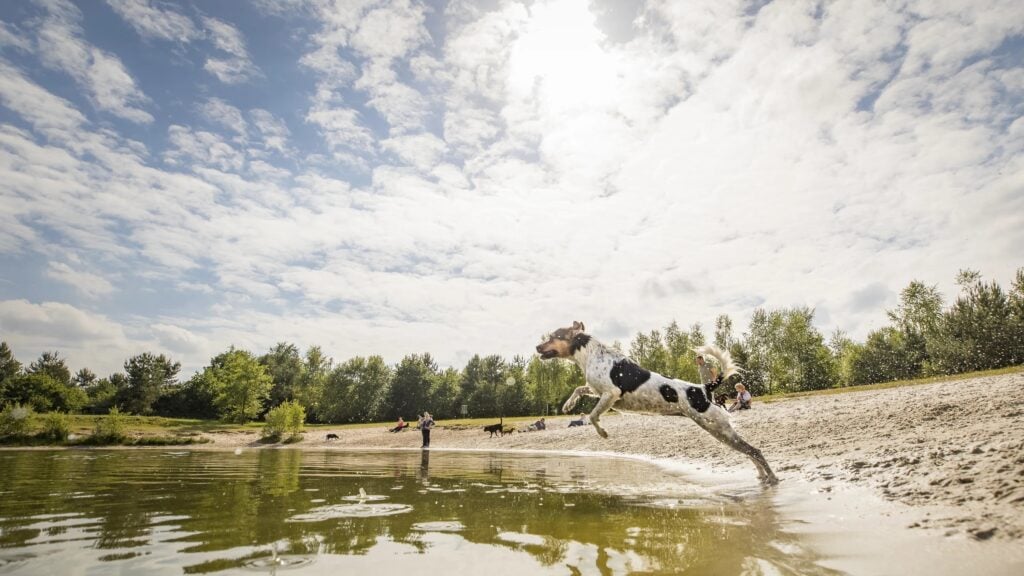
236	67
85	338
152	21
60	44
89	284
188	146
220	112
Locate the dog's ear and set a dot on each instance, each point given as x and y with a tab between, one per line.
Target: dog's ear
576	325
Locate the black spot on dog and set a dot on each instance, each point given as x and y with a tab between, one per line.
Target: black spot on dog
628	376
669	393
578	341
697	399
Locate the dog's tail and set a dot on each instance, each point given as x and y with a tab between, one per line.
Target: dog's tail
724	359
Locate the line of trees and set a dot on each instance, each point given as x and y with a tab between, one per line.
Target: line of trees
781	351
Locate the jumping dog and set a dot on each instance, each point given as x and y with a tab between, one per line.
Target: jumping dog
618	381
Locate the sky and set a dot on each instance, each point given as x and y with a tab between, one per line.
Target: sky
398	177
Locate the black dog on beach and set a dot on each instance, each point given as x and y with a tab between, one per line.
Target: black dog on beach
332	436
493	429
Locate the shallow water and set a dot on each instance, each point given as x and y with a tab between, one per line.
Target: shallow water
355	512
143	511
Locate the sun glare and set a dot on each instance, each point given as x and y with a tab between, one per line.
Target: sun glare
559	58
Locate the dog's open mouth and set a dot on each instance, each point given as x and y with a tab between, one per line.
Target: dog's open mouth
548	354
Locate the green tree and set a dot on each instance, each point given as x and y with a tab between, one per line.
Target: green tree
194	398
147	377
84	378
241	385
43	393
916	318
102	395
409	393
51	364
723	332
315	371
444	394
9	366
976	332
355	391
286	368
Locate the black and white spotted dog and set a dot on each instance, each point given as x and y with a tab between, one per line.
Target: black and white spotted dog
618	381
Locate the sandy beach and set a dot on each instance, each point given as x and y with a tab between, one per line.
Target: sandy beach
954	449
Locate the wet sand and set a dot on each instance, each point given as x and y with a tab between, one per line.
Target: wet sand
951	454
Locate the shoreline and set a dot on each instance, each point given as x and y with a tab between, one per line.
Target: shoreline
953	449
950	452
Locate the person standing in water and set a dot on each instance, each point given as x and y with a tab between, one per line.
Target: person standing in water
426	423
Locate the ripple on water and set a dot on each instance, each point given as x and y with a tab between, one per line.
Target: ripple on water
450	526
358	510
274	563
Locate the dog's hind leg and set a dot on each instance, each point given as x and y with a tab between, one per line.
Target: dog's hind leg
717	424
606	401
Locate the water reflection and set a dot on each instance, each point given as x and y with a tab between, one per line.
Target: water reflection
203	512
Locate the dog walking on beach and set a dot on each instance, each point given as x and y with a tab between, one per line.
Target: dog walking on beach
618	381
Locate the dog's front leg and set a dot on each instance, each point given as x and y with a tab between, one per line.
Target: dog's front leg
606	401
575	397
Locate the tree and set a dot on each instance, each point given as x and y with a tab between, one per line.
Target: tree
43	393
723	332
409	392
9	366
916	317
355	391
194	398
311	384
286	368
51	364
975	332
102	394
444	394
147	377
84	378
241	385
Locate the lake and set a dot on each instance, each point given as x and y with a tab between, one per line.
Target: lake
352	512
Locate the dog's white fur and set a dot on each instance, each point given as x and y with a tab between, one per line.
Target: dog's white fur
653	395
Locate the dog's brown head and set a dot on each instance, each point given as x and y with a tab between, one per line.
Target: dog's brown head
558	344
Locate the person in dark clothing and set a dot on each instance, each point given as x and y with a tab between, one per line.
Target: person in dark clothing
426	423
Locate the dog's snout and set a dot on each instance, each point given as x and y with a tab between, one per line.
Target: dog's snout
539	346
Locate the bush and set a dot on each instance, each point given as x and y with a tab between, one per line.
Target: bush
56	426
110	428
289	417
16	420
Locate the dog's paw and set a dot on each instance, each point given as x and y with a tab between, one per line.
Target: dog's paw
568	406
601	432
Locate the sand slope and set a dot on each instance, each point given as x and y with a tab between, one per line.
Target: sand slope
954	447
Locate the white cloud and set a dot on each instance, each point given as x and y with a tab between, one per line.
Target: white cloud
85	338
237	67
152	21
9	36
89	284
273	130
202	148
220	112
109	86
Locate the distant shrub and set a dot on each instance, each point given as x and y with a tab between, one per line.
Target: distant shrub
110	428
16	420
56	426
288	418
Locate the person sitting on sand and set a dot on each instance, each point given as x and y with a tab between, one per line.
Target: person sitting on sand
580	422
742	398
398	427
540	425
